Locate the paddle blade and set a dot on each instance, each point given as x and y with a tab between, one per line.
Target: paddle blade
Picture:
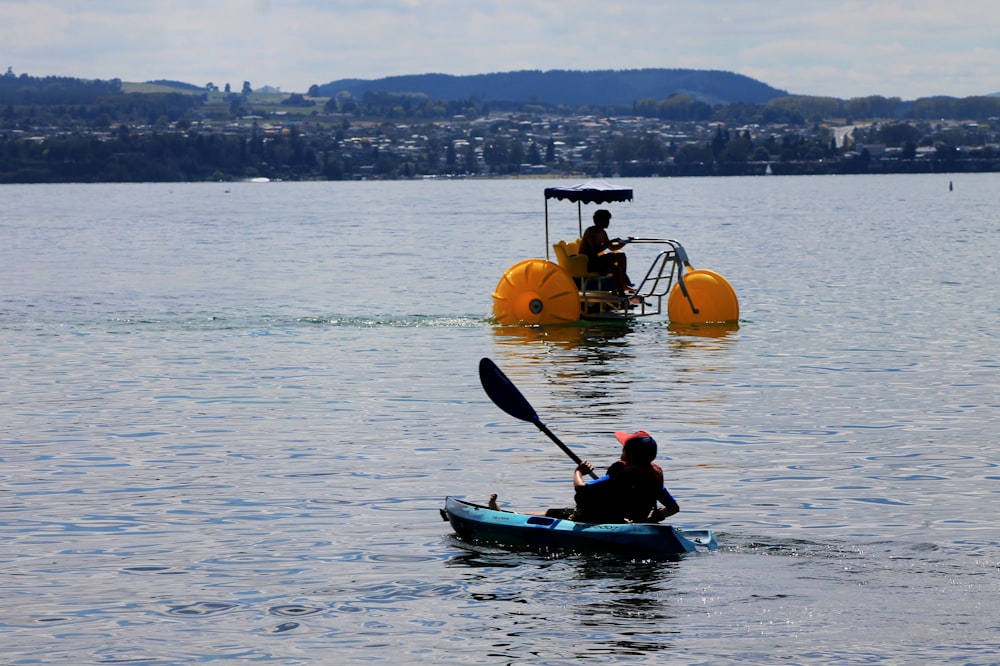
507	397
503	393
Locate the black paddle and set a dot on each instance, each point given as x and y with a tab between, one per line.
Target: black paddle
507	397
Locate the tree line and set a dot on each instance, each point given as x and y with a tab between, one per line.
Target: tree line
124	156
65	130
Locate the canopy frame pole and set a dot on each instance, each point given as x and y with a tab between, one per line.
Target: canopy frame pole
546	229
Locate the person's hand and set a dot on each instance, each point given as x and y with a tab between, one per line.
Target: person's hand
585	467
661	512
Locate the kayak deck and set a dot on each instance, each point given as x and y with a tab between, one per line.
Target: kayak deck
480	523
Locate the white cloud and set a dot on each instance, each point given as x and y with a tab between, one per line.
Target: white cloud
840	48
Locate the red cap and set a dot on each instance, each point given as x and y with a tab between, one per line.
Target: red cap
625	436
640	445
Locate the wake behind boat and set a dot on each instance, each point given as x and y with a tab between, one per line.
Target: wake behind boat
480	523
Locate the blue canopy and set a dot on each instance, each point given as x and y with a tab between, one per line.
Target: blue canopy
593	191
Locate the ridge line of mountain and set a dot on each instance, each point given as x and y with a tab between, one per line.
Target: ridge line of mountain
568	87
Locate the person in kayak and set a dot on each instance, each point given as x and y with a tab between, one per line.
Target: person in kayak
630	492
595	241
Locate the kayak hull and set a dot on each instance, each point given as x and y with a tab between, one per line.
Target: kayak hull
480	523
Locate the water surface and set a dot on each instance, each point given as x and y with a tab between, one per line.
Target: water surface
232	411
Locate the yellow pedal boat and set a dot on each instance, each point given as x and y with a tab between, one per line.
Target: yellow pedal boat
544	292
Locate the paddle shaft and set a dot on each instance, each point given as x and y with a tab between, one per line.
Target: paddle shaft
544	428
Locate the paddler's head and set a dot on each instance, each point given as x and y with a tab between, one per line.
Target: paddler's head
637	447
602	218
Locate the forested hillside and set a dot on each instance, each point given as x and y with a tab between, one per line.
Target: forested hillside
570	88
59	129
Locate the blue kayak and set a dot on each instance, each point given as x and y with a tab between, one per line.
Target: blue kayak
480	523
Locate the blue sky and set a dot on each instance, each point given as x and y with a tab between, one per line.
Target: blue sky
837	48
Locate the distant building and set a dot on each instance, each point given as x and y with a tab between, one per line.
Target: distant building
875	150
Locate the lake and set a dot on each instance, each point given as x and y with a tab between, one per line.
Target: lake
232	412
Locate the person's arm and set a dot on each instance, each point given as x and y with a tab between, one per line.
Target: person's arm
595	241
669	508
581	469
587	244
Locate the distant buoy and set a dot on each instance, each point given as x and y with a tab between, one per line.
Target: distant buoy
711	295
536	292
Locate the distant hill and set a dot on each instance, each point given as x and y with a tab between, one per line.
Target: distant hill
570	88
167	83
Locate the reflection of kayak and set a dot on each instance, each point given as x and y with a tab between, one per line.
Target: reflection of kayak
477	522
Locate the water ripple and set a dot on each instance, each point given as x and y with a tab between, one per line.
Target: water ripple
228	429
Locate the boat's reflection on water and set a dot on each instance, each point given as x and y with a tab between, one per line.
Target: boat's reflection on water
600	337
567	336
626	587
590	364
704	330
597	345
579	363
586	564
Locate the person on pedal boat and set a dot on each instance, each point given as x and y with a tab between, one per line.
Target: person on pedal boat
595	241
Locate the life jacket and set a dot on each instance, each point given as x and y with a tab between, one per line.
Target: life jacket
625	493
